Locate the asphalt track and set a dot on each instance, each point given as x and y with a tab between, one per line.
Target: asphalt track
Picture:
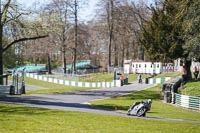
80	101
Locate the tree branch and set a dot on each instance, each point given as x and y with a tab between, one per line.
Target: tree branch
4	12
23	39
16	17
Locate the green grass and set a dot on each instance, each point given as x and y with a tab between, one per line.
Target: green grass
19	119
107	77
169	74
191	88
159	109
134	77
99	77
51	87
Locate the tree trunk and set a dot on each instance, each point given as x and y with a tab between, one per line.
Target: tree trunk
64	61
110	27
49	64
116	56
188	71
75	36
122	57
1	50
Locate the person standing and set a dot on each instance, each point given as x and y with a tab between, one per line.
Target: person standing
140	78
196	71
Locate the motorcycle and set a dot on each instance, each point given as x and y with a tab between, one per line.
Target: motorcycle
140	108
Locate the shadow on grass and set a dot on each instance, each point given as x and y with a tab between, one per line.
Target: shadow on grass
8	110
111	107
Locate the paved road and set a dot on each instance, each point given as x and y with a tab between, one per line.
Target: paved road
80	101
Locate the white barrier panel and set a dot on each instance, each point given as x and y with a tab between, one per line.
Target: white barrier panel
87	84
73	83
118	83
158	80
50	80
40	77
98	84
185	101
103	84
80	84
31	75
94	85
66	82
113	84
45	79
55	81
108	84
61	81
35	76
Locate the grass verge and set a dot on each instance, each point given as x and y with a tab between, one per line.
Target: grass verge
191	88
20	119
159	109
169	74
51	87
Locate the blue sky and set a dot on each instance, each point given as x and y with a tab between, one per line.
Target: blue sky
87	12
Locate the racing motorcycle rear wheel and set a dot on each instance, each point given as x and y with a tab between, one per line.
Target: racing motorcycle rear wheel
141	112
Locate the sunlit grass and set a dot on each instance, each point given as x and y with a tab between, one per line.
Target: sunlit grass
191	88
95	77
20	119
168	74
159	109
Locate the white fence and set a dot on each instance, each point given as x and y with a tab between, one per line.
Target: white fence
115	83
189	102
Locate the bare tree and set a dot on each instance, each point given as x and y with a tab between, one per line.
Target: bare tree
75	35
9	18
59	14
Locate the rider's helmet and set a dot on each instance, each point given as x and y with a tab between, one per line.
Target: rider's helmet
149	100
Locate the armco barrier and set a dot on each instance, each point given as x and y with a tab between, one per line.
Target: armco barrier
115	83
189	102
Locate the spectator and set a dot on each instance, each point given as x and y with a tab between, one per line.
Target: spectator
122	80
139	78
196	71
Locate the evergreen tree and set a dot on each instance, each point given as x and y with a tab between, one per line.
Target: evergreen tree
192	29
173	32
161	35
